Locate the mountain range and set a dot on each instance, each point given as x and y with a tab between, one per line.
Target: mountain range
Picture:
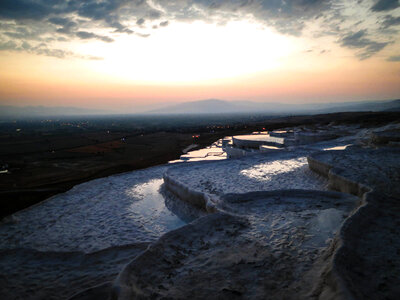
41	111
210	106
216	106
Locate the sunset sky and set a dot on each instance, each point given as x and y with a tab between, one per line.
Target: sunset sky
128	55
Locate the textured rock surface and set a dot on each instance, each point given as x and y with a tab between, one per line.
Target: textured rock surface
112	211
83	238
262	172
260	246
32	274
378	169
366	264
273	244
256	140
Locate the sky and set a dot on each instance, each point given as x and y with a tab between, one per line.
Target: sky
127	56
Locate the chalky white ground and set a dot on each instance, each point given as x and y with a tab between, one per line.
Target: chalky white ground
126	209
265	244
263	172
112	211
120	214
279	170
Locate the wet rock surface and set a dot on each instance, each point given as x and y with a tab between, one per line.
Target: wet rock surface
84	237
259	245
367	262
274	243
260	172
32	274
117	210
378	169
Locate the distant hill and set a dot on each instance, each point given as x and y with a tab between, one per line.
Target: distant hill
216	106
209	106
388	105
44	111
200	107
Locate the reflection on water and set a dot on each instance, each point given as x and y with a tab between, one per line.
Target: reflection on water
118	210
150	207
183	209
266	171
212	152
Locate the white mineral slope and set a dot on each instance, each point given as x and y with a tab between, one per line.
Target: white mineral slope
32	274
368	244
271	244
258	247
113	211
84	237
261	172
284	169
213	152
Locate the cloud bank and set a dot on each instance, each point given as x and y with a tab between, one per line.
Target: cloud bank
37	25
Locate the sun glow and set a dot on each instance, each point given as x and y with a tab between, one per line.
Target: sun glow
191	53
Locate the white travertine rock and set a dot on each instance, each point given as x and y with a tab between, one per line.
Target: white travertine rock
259	246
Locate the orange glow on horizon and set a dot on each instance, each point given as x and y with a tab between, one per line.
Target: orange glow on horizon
244	67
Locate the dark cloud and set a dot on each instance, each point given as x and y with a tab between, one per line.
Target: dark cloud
26	46
43	49
356	40
23	32
67	28
154	14
65	25
112	11
394	58
390	21
382	5
107	13
24	9
40	49
58	53
85	35
99	10
286	16
9	45
64	20
359	40
59	21
19	33
120	28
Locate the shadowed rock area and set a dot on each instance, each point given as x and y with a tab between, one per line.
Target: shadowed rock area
32	274
266	228
282	244
261	243
366	264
